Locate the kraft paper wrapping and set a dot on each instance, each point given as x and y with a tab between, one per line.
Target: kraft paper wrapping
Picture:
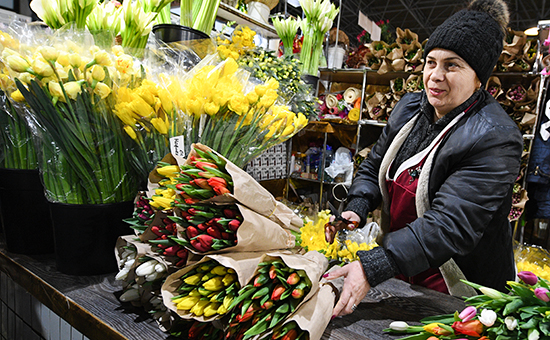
401	35
396	52
331	101
254	227
244	264
351	95
378	48
315	314
398	65
516	46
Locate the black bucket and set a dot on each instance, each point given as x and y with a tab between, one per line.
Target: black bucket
85	236
25	214
311	80
185	38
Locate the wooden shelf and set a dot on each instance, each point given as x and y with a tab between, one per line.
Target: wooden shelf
232	14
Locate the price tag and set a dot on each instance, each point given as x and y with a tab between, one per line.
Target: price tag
177	146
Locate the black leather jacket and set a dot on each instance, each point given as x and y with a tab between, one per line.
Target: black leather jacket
470	189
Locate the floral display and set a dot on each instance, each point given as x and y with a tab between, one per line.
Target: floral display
70	93
524	313
275	292
319	16
143	213
533	259
242	41
518	54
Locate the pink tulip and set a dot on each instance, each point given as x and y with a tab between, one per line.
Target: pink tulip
467	314
528	277
542	293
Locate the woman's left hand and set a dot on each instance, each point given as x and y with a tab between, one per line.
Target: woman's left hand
356	287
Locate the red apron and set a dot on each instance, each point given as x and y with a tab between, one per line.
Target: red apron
402	195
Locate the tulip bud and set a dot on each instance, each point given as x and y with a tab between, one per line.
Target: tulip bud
221	190
268	304
533	334
528	277
229	279
297	293
168	171
230	213
293	279
277	292
399	326
17	96
102	90
17	63
131	294
193	280
72	89
272	272
492	293
435	329
49	53
214	284
188	302
542	293
467	314
234	225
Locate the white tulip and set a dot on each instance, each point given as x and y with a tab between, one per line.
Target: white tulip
533	334
511	323
399	325
488	317
146	268
122	274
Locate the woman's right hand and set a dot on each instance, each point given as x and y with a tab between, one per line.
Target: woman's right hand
332	228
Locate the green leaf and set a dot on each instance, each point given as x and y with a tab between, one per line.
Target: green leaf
446	319
258	328
531	323
512	306
545	328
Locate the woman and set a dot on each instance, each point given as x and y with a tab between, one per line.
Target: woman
443	168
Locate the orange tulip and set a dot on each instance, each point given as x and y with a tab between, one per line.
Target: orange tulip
472	327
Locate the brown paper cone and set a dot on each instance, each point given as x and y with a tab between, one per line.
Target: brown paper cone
398	65
396	52
244	265
385	67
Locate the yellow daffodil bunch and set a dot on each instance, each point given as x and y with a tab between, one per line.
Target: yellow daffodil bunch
242	40
313	238
232	115
70	92
150	118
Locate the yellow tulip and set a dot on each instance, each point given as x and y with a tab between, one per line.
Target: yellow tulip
287	131
102	90
141	108
17	63
188	302
131	132
260	90
49	53
301	121
63	59
230	67
238	104
165	100
169	171
160	125
102	58
75	60
272	83
98	73
72	89
198	308
211	309
17	96
160	202
125	115
55	89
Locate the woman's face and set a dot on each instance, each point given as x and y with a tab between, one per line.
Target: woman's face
448	80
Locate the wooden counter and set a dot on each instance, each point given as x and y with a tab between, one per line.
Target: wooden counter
90	303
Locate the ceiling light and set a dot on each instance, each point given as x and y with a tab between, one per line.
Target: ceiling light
533	31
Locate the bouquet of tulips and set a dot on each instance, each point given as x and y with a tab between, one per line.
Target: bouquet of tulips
143	213
205	290
68	94
196	330
524	313
281	283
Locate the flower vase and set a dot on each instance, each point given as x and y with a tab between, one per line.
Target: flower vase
85	236
185	39
26	219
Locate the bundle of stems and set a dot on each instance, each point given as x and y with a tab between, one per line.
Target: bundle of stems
199	15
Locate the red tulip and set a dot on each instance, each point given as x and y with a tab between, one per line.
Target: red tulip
293	279
230	213
277	292
202	165
472	327
201	183
221	190
234	225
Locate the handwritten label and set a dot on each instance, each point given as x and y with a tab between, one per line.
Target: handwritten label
177	146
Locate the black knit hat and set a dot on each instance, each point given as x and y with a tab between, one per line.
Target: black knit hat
476	34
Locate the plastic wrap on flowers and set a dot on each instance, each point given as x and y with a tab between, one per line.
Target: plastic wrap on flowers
229	228
205	290
70	94
281	283
232	114
225	183
534	259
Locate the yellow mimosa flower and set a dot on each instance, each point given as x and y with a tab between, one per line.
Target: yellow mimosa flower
130	131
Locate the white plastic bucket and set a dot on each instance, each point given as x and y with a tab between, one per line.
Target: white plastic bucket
259	11
336	57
